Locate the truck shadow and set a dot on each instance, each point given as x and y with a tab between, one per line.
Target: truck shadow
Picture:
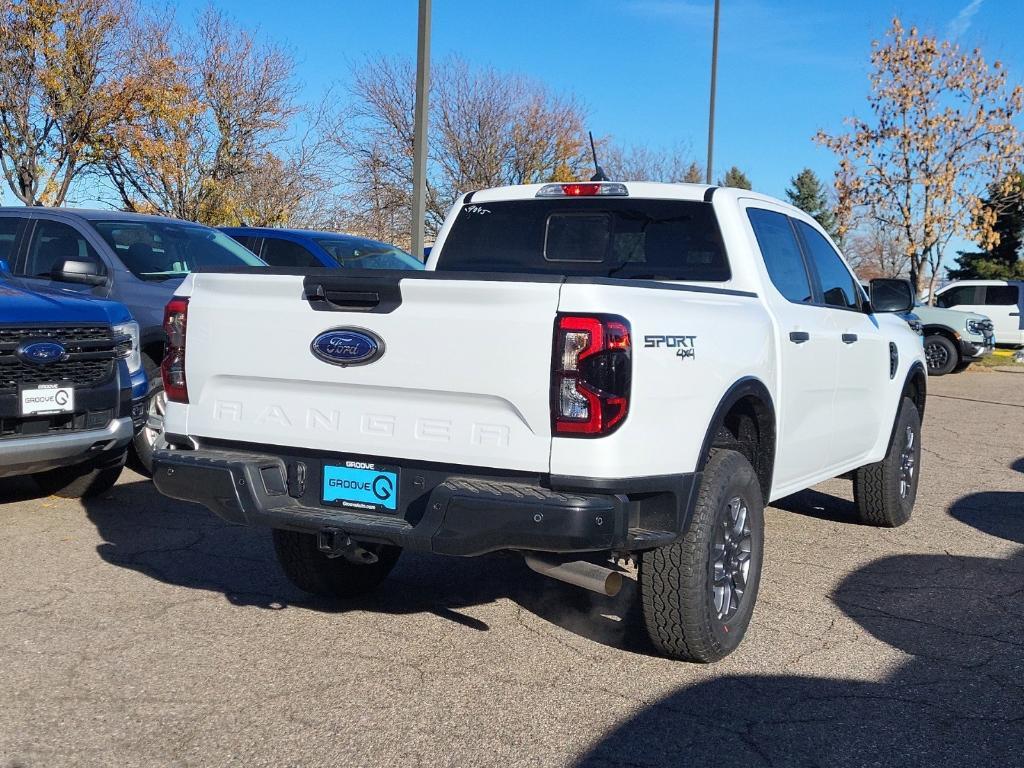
15	489
819	505
956	701
187	545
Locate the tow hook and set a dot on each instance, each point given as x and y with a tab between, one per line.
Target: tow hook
339	544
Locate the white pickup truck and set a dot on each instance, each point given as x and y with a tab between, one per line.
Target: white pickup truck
585	373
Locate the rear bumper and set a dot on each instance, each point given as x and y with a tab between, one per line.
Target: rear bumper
25	455
445	510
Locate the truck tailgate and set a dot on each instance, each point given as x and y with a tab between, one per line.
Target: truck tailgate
464	377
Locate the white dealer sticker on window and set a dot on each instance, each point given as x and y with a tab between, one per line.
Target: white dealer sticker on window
48	398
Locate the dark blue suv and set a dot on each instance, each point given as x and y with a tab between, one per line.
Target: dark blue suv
308	248
72	386
136	259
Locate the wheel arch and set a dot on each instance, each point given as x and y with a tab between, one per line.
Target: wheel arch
932	329
915	386
153	345
747	397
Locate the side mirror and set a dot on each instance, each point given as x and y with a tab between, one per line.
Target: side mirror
891	295
86	272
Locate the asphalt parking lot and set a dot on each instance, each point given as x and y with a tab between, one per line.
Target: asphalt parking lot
140	631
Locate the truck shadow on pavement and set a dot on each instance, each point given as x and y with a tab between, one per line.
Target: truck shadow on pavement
958	700
188	546
819	505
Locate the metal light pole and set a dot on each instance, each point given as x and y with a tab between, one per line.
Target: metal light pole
711	111
419	161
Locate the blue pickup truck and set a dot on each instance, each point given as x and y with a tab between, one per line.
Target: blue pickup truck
72	387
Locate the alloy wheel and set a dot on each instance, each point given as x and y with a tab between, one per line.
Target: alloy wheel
730	559
153	431
936	355
907	463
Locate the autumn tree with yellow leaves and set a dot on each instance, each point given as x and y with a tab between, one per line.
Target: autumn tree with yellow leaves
220	146
70	79
941	130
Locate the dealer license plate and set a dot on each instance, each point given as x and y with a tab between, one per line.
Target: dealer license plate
361	485
47	399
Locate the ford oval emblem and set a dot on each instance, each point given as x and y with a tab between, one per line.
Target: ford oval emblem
41	352
347	346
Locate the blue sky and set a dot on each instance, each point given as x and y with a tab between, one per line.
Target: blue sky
787	68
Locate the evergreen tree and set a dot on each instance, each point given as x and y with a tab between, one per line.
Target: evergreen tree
694	174
734	177
1005	260
807	193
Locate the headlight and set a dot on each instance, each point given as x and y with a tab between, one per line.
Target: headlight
129	350
977	327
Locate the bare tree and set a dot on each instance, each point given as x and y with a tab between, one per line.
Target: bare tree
640	163
877	250
294	185
487	128
69	80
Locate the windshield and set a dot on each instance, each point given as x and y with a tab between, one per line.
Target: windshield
160	250
353	253
603	237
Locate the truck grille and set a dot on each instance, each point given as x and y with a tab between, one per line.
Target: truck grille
92	352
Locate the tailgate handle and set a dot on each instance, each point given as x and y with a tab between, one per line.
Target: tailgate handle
351	301
353	295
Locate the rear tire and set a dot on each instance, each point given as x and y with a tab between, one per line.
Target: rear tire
312	571
941	354
884	492
698	594
82	481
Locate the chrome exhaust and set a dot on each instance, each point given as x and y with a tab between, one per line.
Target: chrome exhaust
580	573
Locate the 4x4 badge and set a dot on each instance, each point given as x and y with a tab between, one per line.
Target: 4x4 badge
685	346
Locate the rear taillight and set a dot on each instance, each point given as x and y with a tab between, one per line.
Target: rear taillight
590	375
172	369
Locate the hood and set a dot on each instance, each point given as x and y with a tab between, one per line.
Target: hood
952	317
22	304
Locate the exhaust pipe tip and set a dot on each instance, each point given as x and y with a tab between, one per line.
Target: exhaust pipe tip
613	583
579	573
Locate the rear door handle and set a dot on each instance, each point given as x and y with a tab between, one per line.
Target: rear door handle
849	338
799	337
1015	314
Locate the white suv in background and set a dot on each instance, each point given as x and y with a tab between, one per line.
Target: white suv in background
1000	300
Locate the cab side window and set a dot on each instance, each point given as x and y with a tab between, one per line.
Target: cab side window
285	253
838	287
250	242
54	243
1001	295
961	296
8	235
781	253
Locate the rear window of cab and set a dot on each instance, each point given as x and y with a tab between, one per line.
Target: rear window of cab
599	237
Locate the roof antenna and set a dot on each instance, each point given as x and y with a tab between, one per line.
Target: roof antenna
599	174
